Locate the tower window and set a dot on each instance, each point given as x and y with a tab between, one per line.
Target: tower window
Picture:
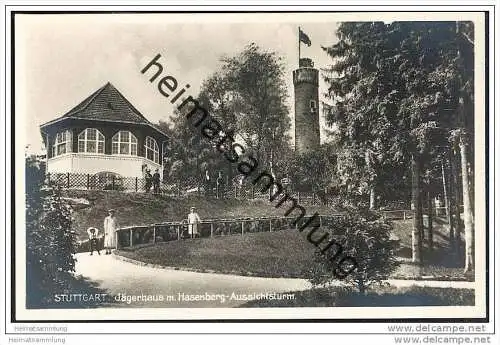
312	104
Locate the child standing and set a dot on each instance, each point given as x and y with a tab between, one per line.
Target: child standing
93	240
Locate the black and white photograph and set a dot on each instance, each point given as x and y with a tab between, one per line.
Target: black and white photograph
238	166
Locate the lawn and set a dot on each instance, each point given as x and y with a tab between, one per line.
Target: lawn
265	254
379	297
277	254
142	209
438	263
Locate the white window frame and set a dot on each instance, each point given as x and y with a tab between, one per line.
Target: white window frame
132	143
151	145
62	142
97	141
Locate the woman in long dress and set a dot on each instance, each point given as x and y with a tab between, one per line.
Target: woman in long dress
110	227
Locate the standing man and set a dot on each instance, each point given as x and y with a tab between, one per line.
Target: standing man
149	180
208	184
156	182
193	221
110	227
219	185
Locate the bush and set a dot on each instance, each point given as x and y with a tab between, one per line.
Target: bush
365	236
50	243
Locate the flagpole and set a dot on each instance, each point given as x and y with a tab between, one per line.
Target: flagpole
299	46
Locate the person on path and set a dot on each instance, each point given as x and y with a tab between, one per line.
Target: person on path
110	227
93	240
193	221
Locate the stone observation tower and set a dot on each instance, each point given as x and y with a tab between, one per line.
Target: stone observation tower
305	82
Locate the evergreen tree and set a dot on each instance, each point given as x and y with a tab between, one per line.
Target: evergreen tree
50	241
400	87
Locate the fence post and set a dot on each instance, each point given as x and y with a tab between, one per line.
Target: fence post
154	233
270	225
320	222
136	180
211	229
67	180
131	237
298	197
178	232
88	181
404	215
242	227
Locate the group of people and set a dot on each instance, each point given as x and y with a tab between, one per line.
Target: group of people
111	226
214	187
152	181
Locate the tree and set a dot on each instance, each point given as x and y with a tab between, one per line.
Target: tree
460	66
50	241
247	96
399	83
366	237
313	170
375	128
256	87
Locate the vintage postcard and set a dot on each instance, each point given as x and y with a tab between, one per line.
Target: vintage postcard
291	166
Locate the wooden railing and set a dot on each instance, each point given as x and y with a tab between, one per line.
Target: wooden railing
174	231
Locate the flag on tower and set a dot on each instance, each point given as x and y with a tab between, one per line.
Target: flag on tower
304	38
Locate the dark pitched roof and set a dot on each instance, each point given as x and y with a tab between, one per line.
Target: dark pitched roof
107	104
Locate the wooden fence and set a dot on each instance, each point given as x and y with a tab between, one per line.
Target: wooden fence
175	231
137	184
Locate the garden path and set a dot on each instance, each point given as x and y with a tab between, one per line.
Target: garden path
120	277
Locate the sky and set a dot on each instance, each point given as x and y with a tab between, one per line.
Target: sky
61	59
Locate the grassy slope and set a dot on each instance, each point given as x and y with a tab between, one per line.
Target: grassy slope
141	209
276	254
268	254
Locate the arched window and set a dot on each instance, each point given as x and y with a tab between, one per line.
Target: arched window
91	141
124	143
151	149
62	144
